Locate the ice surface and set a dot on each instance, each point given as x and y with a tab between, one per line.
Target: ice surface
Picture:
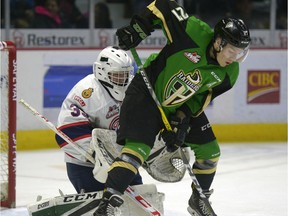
251	181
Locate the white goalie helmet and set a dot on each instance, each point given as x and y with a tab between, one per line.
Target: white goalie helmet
113	68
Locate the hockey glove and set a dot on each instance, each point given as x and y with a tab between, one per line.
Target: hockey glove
130	36
175	138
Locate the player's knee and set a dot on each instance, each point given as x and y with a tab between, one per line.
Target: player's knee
211	152
124	169
205	166
131	160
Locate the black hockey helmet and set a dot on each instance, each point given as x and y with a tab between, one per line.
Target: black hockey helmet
232	31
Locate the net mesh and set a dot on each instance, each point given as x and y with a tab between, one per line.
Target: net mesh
4	123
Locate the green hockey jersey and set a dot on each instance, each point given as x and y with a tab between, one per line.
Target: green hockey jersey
183	71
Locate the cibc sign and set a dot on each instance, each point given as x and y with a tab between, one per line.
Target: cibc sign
263	86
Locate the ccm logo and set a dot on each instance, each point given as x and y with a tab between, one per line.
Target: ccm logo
43	205
79	197
205	127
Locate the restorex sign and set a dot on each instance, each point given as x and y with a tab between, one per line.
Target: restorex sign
76	38
100	38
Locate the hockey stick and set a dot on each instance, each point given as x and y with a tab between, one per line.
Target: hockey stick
169	128
137	198
57	131
149	86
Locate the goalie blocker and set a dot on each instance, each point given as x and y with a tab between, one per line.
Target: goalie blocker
85	203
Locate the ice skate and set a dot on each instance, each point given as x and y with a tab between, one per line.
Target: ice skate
109	205
197	206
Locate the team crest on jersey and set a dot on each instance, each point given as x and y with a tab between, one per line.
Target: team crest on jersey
113	110
114	125
87	93
181	87
194	57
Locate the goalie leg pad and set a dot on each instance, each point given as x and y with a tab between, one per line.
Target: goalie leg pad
85	203
72	205
150	193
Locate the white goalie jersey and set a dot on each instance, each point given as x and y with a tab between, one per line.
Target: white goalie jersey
87	106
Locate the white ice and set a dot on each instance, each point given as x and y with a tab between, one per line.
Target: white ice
251	181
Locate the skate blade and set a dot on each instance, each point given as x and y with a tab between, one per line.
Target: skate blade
192	211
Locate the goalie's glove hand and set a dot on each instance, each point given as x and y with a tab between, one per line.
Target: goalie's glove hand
130	36
175	138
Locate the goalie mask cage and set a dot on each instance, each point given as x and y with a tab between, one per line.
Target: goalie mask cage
8	123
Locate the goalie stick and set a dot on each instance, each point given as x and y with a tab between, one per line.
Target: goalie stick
169	128
136	198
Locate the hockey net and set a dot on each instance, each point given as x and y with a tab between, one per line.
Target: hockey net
8	123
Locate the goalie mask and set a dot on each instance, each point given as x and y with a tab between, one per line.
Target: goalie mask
235	34
113	68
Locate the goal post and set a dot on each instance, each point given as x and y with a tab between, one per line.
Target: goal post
8	101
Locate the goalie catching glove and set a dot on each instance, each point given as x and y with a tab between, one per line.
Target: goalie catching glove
175	138
130	36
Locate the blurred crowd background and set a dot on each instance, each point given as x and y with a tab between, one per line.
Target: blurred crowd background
37	14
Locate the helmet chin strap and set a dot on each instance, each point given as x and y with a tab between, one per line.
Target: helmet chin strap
107	86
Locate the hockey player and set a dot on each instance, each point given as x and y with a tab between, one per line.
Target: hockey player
196	65
94	102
